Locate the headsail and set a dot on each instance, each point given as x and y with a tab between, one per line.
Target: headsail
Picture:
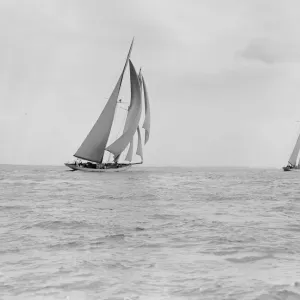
294	155
128	120
134	115
130	151
93	146
146	124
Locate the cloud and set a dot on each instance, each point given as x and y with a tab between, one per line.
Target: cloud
270	51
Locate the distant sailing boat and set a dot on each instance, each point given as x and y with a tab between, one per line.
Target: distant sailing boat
292	163
96	143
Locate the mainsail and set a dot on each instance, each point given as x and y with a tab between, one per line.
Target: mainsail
93	146
294	155
146	124
133	118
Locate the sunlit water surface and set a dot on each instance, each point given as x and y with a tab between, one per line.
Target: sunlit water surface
149	233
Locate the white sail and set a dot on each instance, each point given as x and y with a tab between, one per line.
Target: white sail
130	151
294	155
139	150
93	146
128	120
134	115
146	124
117	129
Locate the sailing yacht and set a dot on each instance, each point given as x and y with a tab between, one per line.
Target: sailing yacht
96	145
292	162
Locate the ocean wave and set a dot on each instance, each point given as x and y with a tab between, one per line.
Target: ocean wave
111	237
13	207
248	259
119	236
279	295
67	245
174	233
139	229
293	228
56	225
13	250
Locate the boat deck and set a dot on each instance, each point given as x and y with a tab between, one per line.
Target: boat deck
120	168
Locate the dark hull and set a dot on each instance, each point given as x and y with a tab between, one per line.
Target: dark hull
84	169
286	169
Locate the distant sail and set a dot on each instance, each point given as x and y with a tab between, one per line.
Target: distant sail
134	115
294	155
139	150
93	146
146	124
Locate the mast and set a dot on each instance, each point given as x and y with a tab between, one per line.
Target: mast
93	146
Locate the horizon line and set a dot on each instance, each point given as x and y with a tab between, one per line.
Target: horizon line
156	166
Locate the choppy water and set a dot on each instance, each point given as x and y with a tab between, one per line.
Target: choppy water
150	233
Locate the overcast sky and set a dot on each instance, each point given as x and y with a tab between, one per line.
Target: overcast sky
223	77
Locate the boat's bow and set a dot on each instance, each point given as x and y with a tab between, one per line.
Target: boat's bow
71	166
287	168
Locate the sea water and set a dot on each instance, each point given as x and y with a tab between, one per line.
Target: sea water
149	233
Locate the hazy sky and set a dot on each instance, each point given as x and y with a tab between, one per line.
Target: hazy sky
223	77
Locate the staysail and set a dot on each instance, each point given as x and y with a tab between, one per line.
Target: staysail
146	124
130	151
93	146
128	120
133	118
139	150
294	155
